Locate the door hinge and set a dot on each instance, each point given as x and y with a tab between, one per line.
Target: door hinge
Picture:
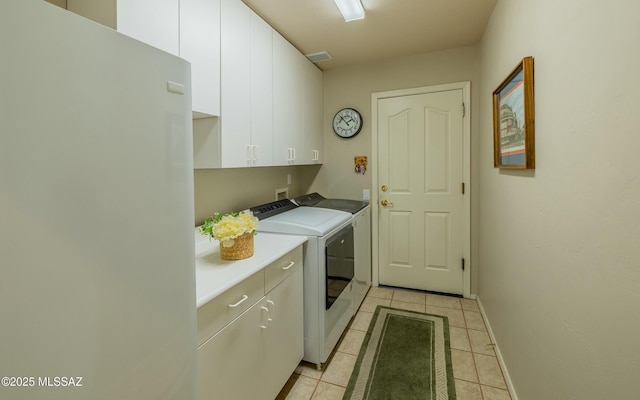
463	109
462	187
463	264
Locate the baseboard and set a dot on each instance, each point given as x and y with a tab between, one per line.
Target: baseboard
503	366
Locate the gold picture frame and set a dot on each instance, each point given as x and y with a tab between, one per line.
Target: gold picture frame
514	119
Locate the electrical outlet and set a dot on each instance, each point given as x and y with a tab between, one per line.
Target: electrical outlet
365	194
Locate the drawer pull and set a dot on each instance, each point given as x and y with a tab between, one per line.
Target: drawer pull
291	264
234	305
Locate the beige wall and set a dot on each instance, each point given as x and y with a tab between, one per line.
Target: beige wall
226	190
559	274
352	86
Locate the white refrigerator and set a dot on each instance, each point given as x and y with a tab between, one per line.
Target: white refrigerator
97	280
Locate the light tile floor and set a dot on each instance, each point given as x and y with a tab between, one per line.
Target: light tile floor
475	367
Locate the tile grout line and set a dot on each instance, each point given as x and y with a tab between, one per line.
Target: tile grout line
501	362
473	355
462	309
475	366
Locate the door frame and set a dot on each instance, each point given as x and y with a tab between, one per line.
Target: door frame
466	172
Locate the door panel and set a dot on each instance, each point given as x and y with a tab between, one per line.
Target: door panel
399	146
400	235
436	243
436	157
421	161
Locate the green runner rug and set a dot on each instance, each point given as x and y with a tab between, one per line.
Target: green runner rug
405	355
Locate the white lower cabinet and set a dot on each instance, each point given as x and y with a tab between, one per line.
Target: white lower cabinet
362	255
229	362
255	354
284	335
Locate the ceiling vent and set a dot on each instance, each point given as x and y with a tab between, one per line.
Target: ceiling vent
317	57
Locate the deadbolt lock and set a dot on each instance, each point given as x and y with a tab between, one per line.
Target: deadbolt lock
384	188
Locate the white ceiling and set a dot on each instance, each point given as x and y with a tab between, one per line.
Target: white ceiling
391	28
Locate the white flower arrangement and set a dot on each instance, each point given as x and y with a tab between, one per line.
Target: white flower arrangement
225	228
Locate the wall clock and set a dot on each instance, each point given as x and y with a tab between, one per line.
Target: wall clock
347	123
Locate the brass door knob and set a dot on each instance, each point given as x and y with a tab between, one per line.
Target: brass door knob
385	202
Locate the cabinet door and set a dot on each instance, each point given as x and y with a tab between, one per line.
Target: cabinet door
254	356
200	45
285	333
235	82
287	101
230	362
312	114
261	92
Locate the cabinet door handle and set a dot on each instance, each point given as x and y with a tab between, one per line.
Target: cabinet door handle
265	326
273	313
242	300
291	264
249	155
291	154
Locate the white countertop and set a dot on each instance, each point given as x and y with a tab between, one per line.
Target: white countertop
215	275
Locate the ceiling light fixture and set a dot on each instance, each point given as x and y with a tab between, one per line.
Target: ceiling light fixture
351	9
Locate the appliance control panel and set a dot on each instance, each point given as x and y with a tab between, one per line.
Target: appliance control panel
274	208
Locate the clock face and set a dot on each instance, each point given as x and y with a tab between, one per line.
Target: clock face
347	123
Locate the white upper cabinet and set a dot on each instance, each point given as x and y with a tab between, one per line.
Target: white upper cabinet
155	22
288	109
261	91
235	67
247	88
297	106
186	28
256	100
200	45
312	104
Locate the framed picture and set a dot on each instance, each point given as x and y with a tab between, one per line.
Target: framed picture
513	119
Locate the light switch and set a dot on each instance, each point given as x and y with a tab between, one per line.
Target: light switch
365	194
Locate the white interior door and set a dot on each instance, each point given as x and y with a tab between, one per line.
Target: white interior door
420	176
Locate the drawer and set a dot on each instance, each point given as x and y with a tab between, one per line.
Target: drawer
280	269
217	313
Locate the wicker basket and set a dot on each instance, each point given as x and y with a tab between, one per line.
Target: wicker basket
242	248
